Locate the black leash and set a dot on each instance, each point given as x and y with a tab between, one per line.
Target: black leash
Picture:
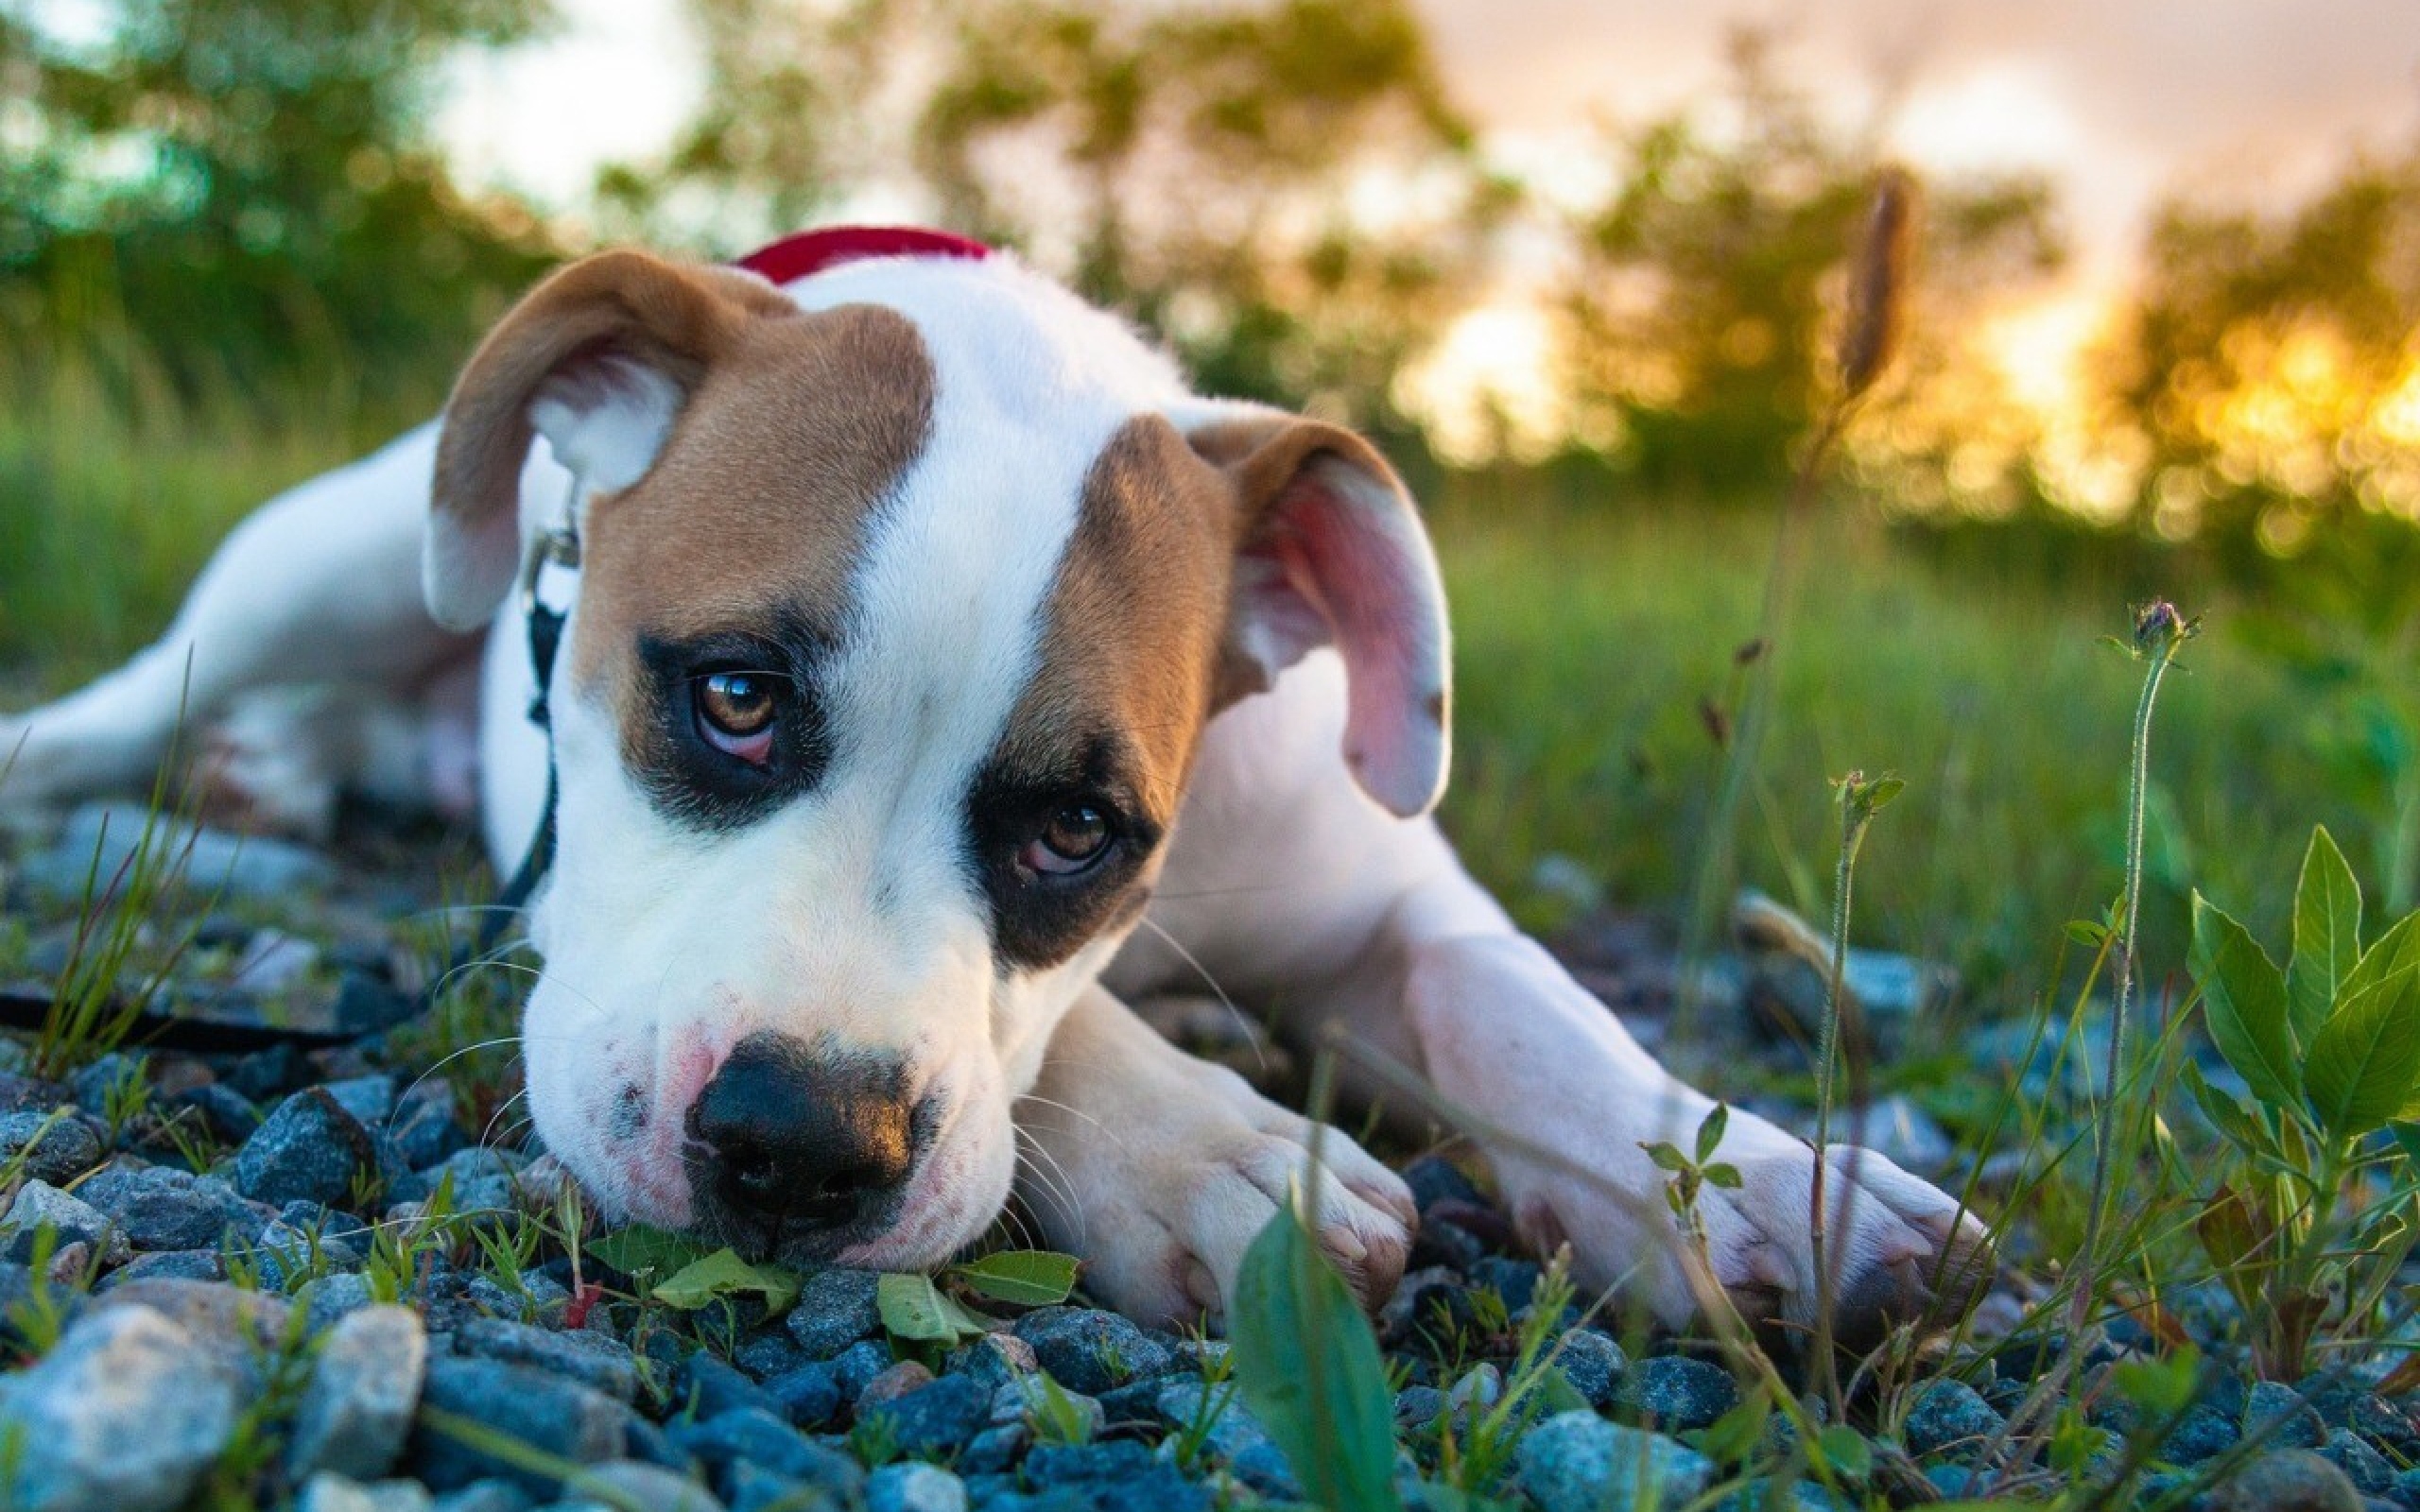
30	1008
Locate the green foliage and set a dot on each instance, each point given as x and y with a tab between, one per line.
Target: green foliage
2306	1226
1308	1367
723	1275
916	1310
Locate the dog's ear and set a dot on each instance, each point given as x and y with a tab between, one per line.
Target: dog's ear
1330	551
599	359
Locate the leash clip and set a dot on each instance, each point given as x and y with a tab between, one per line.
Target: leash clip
557	546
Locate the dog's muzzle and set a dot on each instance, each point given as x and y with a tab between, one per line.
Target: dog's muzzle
793	1149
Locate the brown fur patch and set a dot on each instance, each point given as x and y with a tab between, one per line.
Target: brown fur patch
755	512
1134	621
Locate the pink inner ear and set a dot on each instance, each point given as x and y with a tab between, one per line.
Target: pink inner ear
1362	566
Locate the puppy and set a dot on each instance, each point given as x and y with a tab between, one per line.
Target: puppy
941	676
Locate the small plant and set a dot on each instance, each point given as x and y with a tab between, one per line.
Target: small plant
2313	1223
1691	1175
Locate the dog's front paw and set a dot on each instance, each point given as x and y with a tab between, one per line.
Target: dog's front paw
1161	1207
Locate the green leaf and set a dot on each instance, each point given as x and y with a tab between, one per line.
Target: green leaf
1666	1155
2243	997
1722	1173
1308	1367
1025	1278
2396	950
639	1250
2229	1117
2362	1061
913	1308
2327	935
1710	1131
1844	1451
2407	1139
724	1274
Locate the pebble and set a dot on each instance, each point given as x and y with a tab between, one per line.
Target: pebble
1677	1393
70	1220
1950	1416
755	1436
835	1308
808	1396
2292	1480
2269	1403
935	1418
1592	1363
53	1147
126	1414
594	1360
2364	1467
483	1496
558	1417
1577	1462
357	1409
1090	1350
310	1149
326	1492
233	866
914	1487
635	1483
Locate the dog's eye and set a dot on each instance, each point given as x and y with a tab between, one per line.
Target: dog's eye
1076	838
736	713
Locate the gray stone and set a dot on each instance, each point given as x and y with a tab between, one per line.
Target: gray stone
1091	1351
595	1360
2199	1435
325	1492
1043	1400
835	1308
2364	1467
157	1208
914	1487
310	1149
753	1437
1592	1363
327	1298
1950	1416
808	1396
1117	1473
2292	1480
857	1365
70	1219
168	1265
1577	1462
935	1418
54	1146
356	1410
995	1359
545	1412
126	1414
1677	1393
1215	1413
100	838
1417	1407
2268	1403
654	1487
369	1099
484	1496
272	961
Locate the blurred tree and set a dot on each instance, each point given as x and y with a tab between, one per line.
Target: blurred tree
2270	367
245	187
1281	189
1707	283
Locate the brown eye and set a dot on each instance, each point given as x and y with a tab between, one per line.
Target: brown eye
736	713
1077	837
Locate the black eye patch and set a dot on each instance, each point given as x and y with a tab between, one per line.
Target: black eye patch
686	777
1039	920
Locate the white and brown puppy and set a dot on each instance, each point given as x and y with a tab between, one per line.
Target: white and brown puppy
943	675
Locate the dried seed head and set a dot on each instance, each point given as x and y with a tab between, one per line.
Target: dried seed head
1879	281
2159	626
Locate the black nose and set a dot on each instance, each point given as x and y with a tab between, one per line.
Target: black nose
791	1134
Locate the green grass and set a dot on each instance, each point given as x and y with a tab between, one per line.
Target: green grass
1591	638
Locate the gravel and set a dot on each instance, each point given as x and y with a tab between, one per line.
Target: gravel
399	1365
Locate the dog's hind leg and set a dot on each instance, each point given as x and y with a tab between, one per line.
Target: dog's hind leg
321	586
1564	1104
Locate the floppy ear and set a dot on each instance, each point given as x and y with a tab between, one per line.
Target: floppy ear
1330	551
600	359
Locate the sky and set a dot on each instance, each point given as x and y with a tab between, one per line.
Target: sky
2117	102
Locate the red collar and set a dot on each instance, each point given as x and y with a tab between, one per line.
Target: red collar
812	251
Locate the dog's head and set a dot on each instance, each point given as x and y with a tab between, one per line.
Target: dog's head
906	595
